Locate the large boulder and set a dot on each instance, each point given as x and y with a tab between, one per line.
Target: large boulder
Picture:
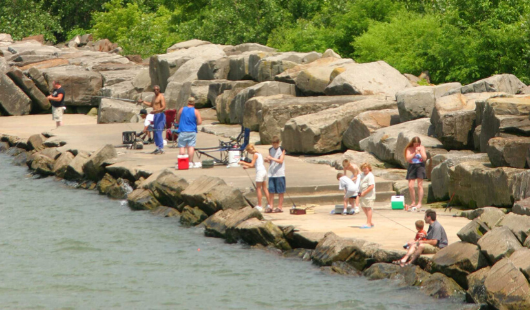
431	145
268	115
367	79
507	83
325	63
223	223
79	84
142	199
211	194
380	271
189	71
192	216
177	94
333	248
503	115
521	185
322	132
42	164
509	152
521	260
94	168
383	142
254	231
490	216
241	66
36	76
4	67
472	232
216	88
13	101
418	102
506	286
476	291
314	79
248	47
498	243
186	45
519	225
439	285
74	171
117	111
223	101
162	67
444	166
35	142
168	188
39	100
61	164
215	69
238	106
458	260
268	67
364	124
522	207
476	185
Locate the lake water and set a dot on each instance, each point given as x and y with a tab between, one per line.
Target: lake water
64	248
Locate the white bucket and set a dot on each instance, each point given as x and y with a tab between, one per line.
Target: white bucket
233	158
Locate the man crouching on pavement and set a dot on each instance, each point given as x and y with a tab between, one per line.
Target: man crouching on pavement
159	105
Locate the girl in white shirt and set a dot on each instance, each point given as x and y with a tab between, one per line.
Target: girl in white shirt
261	173
367	193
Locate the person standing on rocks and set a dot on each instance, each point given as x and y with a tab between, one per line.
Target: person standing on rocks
276	175
57	101
354	169
436	240
261	174
188	118
159	105
367	193
415	155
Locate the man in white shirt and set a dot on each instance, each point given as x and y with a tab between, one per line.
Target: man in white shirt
351	190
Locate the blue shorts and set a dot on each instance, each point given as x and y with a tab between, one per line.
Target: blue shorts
150	128
187	139
277	185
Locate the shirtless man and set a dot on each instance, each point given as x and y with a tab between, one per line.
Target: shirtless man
159	105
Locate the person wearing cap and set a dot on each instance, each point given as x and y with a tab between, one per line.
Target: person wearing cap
148	124
159	122
188	118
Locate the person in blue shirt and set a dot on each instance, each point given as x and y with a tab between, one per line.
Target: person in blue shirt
57	101
188	118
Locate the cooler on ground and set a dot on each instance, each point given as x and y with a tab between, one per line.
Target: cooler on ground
397	202
183	162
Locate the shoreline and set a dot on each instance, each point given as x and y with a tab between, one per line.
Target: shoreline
332	253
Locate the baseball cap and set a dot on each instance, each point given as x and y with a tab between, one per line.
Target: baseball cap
143	112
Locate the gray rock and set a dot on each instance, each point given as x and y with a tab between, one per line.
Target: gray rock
418	102
519	225
168	188
322	132
223	222
13	101
444	165
383	142
404	139
507	83
506	286
363	254
458	260
254	231
142	199
326	63
104	185
165	212
367	79
380	271
241	66
217	87
521	185
522	207
74	171
498	243
192	216
186	45
440	286
223	101
335	160
39	80
79	84
333	248
508	152
521	260
93	168
117	111
268	67
36	142
238	106
413	275
39	100
476	289
216	69
20	159
472	232
364	124
490	216
211	194
248	47
142	81
189	71
343	268
177	94
42	165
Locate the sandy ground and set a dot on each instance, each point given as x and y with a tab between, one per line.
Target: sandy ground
392	228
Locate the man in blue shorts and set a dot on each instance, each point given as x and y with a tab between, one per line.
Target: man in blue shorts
276	174
188	118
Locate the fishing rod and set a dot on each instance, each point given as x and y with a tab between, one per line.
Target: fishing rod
122	99
394	221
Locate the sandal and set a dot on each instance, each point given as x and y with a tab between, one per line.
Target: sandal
268	210
277	210
365	227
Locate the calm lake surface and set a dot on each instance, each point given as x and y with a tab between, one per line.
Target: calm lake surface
65	248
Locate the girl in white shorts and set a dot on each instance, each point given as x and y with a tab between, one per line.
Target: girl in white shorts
261	173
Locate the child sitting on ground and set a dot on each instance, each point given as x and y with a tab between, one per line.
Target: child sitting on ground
351	190
421	235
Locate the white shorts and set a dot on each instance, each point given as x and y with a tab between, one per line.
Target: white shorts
57	114
261	176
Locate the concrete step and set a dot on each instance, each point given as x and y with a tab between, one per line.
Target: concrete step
383	186
321	198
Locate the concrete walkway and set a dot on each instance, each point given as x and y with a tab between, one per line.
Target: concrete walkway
82	132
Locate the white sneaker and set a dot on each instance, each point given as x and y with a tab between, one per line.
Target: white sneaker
259	208
345	212
177	167
190	165
356	210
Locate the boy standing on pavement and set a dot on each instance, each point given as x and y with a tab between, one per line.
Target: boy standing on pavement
276	175
57	101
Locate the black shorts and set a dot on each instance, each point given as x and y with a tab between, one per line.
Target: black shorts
416	171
